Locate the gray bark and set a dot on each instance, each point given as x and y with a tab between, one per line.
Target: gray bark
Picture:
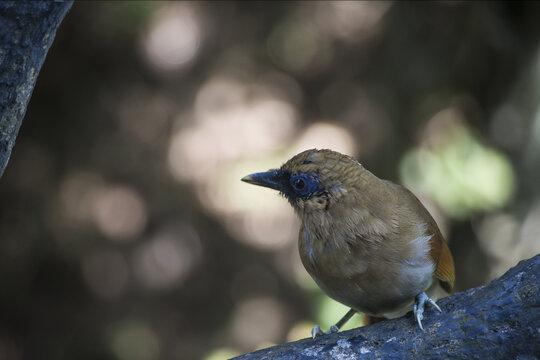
27	30
500	320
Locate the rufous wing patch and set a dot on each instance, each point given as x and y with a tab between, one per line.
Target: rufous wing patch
444	270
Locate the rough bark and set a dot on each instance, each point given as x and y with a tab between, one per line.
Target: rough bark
500	320
27	32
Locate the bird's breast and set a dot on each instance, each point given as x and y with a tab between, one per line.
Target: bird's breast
326	255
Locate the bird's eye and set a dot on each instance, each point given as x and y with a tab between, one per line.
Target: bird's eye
299	184
304	184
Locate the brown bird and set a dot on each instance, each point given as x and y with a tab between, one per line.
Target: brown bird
368	243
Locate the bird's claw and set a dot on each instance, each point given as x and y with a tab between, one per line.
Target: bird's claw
316	331
418	307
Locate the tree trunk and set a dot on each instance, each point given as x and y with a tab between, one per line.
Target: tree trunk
27	30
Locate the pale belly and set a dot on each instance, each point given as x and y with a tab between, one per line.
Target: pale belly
380	297
374	285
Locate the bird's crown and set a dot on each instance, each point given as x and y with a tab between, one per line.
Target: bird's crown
326	163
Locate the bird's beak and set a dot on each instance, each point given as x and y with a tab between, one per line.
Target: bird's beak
271	179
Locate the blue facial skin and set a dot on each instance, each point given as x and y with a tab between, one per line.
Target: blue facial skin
292	186
304	184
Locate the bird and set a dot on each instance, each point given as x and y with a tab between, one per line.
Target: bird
368	243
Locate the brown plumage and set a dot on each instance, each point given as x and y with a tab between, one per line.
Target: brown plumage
368	243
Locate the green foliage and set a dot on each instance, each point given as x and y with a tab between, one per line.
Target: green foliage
462	175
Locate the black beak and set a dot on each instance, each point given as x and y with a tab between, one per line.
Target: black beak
272	179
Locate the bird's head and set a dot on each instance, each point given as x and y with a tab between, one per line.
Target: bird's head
313	180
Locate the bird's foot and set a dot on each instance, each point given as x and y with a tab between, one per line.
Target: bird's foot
418	307
316	331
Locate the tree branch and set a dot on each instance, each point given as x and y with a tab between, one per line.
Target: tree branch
500	320
28	30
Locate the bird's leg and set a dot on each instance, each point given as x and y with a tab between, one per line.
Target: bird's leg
418	307
316	331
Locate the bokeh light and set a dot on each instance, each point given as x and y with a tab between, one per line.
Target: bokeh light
498	235
300	330
119	212
459	172
324	135
299	46
352	21
257	321
229	120
78	192
167	258
135	341
173	38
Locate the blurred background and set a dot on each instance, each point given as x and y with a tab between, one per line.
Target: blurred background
125	232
